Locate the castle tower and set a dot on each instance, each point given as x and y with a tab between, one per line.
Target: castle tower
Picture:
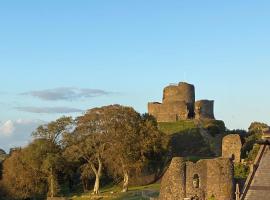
204	109
178	103
183	92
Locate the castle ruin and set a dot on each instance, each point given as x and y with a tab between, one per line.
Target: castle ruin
231	147
179	104
206	179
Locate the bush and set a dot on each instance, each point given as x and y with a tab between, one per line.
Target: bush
241	171
214	127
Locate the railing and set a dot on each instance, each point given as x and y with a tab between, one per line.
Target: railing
253	171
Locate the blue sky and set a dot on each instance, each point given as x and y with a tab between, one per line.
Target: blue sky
96	53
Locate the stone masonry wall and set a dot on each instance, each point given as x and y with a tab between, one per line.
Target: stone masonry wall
231	147
173	182
202	180
169	112
179	104
204	109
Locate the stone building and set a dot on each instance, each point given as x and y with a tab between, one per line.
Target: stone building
179	104
208	178
231	147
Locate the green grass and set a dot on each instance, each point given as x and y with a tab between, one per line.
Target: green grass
213	126
114	193
176	127
185	138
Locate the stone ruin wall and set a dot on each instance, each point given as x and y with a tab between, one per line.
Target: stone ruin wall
204	109
179	104
173	181
192	169
231	147
169	112
215	178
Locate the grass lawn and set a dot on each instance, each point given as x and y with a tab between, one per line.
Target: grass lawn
114	193
176	127
183	126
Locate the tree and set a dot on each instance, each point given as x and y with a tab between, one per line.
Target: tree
135	141
257	127
21	179
119	135
255	130
51	134
54	130
87	145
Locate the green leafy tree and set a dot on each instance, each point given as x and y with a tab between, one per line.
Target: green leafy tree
86	144
131	140
254	134
54	130
22	178
51	134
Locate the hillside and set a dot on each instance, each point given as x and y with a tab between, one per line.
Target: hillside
189	138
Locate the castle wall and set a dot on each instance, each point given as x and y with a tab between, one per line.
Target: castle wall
220	178
173	182
231	147
205	179
193	169
169	112
204	109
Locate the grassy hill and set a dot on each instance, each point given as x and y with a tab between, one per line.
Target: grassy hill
194	138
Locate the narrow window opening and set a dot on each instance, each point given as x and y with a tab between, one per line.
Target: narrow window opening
196	181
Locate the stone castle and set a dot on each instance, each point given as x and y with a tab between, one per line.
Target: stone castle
179	104
206	179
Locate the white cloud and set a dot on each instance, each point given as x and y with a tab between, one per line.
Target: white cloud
15	133
7	128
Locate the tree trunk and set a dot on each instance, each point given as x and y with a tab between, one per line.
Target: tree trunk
51	184
97	174
125	183
96	187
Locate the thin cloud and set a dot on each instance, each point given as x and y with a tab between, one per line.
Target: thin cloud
66	93
48	110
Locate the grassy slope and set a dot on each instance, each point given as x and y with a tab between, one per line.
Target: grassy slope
213	126
186	140
114	193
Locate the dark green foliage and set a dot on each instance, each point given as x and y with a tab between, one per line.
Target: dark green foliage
254	134
214	127
257	127
253	153
185	138
241	171
190	143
